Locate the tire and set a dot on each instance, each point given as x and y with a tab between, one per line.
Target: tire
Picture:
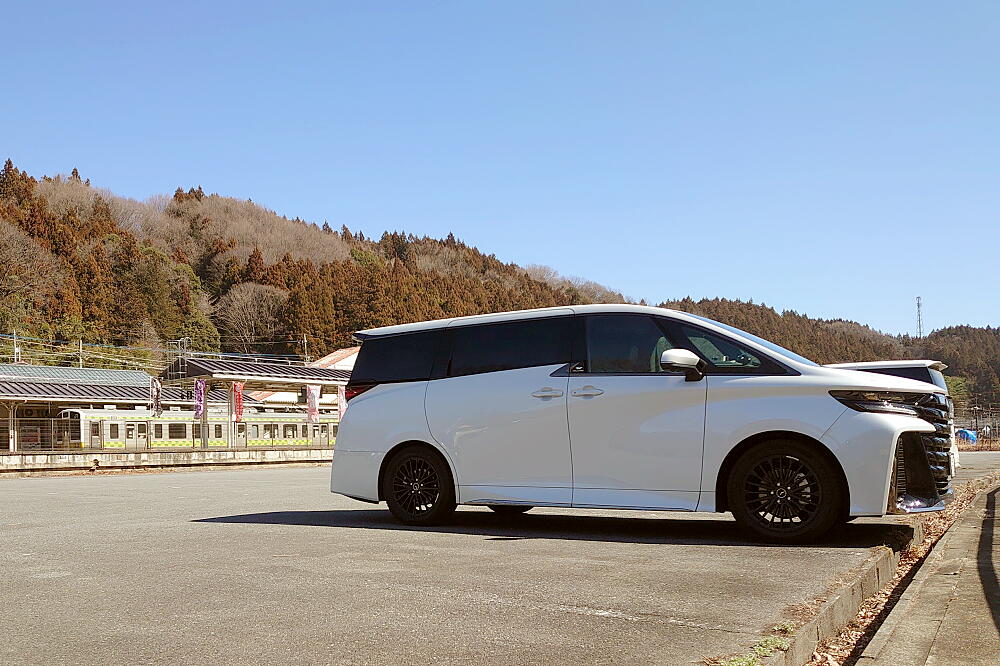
418	487
510	509
785	491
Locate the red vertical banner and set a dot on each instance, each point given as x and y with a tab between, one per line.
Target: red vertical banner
312	403
238	401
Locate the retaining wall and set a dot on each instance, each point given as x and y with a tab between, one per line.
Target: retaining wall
21	463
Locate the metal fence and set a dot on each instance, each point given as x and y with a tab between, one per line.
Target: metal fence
66	435
981	419
984	420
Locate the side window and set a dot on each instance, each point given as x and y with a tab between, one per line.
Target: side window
400	358
113	431
177	430
508	346
722	353
218	432
624	343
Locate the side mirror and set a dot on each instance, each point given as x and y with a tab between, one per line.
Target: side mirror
682	360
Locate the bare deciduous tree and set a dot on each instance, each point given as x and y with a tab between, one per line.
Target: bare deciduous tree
25	266
590	290
249	314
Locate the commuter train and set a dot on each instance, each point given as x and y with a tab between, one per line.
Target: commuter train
142	429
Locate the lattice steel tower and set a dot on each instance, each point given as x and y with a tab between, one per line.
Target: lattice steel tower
920	319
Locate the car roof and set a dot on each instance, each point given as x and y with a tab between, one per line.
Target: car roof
562	310
874	365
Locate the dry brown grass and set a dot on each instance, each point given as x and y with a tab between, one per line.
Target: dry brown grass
846	648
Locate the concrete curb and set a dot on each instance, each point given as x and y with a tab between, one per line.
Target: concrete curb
922	582
33	463
837	611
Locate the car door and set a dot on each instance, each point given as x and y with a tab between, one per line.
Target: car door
500	410
637	432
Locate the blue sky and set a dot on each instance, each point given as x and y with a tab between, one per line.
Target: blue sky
837	159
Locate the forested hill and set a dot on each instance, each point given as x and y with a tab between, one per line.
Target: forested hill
79	263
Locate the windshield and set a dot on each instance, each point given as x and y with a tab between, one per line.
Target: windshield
777	349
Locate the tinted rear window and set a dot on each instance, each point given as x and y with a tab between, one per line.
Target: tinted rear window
400	358
922	374
519	344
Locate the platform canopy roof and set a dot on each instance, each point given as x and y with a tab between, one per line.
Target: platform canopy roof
19	372
255	376
80	393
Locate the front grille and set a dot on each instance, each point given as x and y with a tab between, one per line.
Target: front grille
899	479
937	410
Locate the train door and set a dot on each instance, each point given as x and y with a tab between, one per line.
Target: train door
113	440
95	434
142	435
241	434
130	435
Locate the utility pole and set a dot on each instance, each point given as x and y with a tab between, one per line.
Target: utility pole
305	347
81	352
17	349
920	319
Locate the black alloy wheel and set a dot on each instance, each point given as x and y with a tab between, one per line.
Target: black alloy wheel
785	491
510	509
782	492
418	488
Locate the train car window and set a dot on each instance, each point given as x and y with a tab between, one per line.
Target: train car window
290	431
305	431
197	431
113	431
218	432
129	431
158	431
177	431
95	429
142	428
255	432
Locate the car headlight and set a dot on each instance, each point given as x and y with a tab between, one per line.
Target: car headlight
883	402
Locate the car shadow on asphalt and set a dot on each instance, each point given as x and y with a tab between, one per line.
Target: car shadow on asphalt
652	530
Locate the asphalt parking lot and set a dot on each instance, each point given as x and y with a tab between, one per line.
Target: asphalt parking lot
266	565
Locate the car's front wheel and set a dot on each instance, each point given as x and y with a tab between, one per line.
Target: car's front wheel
418	488
785	491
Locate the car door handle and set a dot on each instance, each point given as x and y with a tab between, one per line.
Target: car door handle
547	392
587	391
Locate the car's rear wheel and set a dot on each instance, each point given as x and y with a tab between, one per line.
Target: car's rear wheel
785	491
418	488
510	509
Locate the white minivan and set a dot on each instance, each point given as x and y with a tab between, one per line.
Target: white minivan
631	407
